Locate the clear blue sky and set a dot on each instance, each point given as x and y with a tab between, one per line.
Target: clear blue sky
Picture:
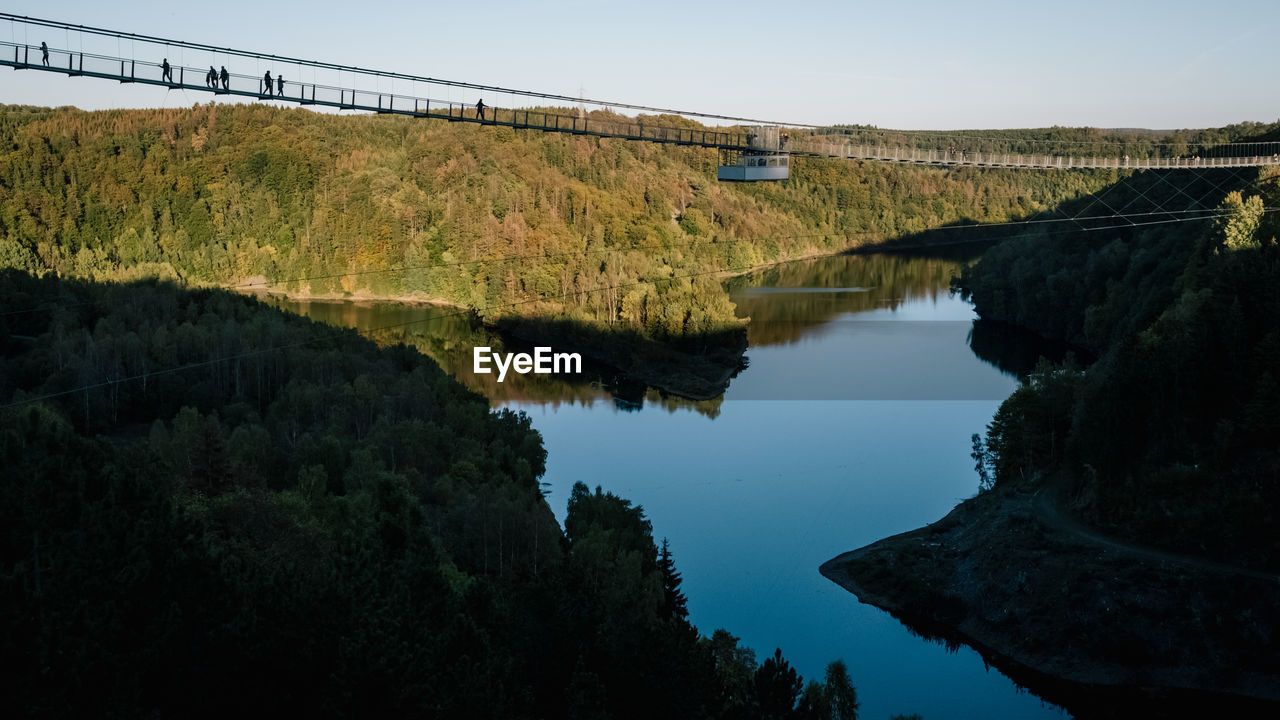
1118	63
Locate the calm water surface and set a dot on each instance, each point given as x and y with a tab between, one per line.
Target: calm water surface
851	423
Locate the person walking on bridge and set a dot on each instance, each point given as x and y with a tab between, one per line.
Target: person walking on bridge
480	109
212	78
280	85
268	87
44	52
166	71
226	79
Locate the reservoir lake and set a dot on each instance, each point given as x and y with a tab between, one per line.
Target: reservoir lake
866	378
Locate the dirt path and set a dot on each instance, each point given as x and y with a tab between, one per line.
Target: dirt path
1046	505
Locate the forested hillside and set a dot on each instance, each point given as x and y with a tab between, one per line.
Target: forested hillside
301	522
1170	438
329	205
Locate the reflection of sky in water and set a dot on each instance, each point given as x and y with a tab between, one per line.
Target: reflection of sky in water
756	499
918	350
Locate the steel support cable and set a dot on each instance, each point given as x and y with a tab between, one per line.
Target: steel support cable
390	74
1070	231
1096	200
469	311
343	92
1182	192
907	134
233	75
1220	186
1160	210
1142	194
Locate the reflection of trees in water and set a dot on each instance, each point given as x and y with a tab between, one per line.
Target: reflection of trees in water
1012	349
886	282
595	384
447	337
776	318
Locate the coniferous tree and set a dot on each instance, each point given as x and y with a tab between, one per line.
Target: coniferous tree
674	602
777	686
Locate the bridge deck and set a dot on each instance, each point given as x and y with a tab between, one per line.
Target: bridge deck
605	125
1019	160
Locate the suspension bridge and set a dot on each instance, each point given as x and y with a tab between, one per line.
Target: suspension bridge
750	149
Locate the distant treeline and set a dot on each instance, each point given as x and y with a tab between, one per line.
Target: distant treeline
1135	143
302	523
1170	437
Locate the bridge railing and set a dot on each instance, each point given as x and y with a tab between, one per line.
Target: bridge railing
184	77
906	146
950	156
1143	149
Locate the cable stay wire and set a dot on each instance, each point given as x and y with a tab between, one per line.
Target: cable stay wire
153	39
890	246
820	129
339	332
809	139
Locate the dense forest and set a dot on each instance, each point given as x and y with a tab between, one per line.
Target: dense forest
610	233
301	521
1170	437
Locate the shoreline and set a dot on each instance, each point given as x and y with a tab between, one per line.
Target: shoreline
702	383
676	363
258	285
1089	627
359	297
664	367
704	387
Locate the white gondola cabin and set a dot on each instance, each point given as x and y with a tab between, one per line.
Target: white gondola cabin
765	159
750	168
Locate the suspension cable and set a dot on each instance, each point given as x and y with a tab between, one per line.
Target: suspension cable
390	74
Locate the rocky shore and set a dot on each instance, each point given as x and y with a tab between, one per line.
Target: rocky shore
1102	628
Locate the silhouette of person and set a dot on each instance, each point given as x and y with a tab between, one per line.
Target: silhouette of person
212	78
226	79
166	70
44	52
480	109
266	81
280	85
